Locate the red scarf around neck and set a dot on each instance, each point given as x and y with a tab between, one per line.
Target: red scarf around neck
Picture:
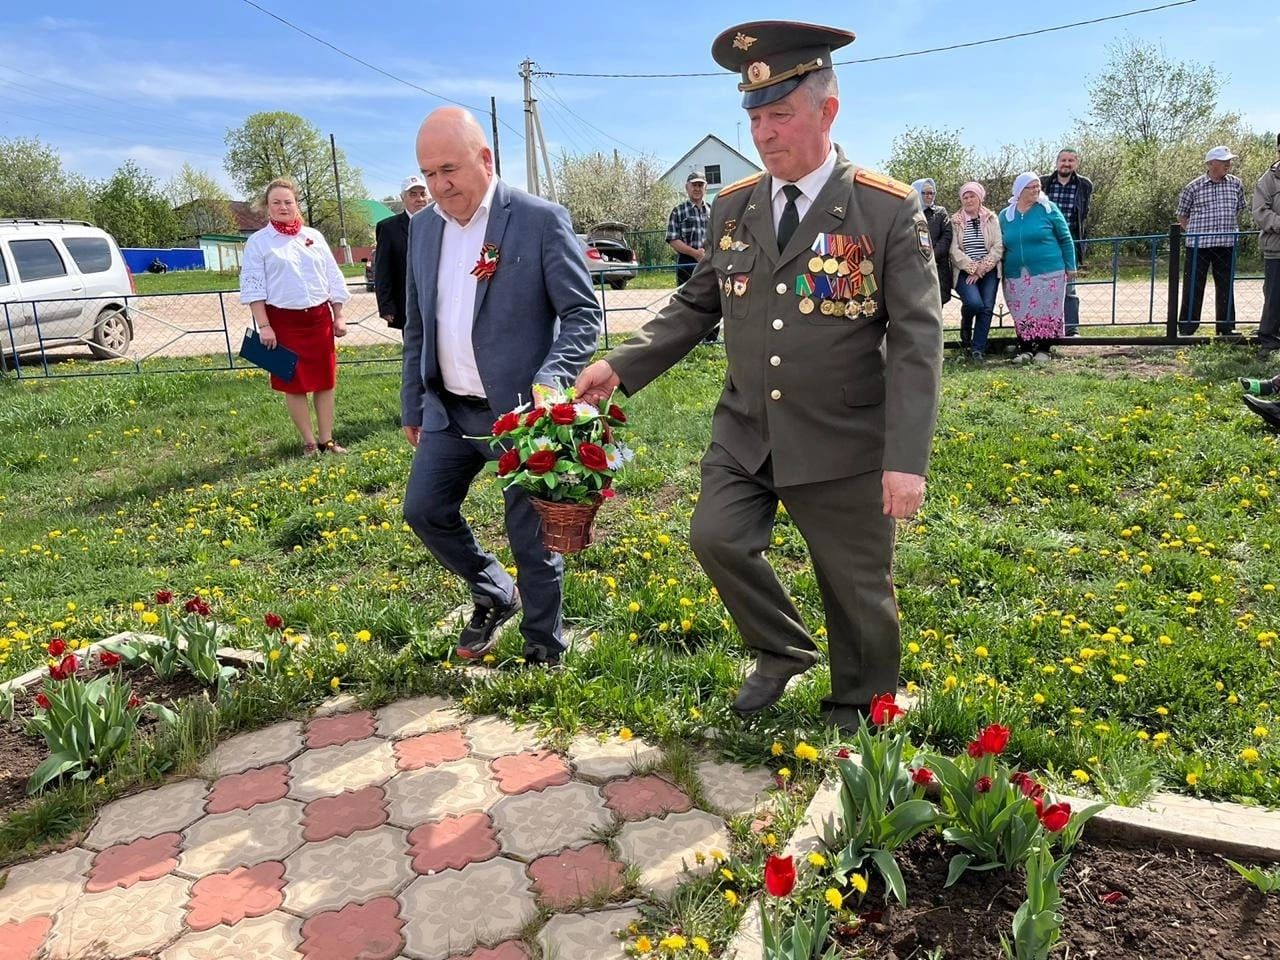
288	229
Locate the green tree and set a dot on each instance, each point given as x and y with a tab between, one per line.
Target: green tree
920	152
131	207
199	203
33	182
281	144
1142	96
595	188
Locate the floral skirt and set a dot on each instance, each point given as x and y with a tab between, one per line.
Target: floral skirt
1037	304
309	334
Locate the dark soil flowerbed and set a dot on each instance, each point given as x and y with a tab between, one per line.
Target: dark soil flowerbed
1168	903
20	754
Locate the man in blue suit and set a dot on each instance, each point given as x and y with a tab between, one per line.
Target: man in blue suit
476	341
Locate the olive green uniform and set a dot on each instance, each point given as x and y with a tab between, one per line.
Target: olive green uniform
817	402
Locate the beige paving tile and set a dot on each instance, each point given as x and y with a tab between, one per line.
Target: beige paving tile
43	887
325	876
342	703
492	737
167	809
273	937
587	936
242	838
328	771
274	744
450	913
597	760
732	789
408	718
663	849
547	821
121	921
416	796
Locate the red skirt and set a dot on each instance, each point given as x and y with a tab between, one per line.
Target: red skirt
309	334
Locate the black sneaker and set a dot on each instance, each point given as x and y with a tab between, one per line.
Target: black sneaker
481	635
536	655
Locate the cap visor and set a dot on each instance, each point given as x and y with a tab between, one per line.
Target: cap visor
769	94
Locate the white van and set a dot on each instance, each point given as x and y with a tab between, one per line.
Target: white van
62	283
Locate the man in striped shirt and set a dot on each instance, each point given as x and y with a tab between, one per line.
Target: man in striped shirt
687	231
1209	210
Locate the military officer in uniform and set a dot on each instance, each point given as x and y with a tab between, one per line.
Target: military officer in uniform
825	279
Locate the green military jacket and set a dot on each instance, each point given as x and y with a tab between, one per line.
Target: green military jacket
830	389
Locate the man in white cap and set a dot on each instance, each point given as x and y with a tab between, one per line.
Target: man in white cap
393	249
1209	209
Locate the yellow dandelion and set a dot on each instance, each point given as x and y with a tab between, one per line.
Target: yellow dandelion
150	619
1080	776
334	683
1249	755
1261	732
625	734
700	944
731	898
776	748
785	773
644	944
364	636
981	652
804	751
859	882
727	874
633	607
817	860
835	900
1193	779
673	942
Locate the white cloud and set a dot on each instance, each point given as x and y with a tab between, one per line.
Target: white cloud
62	23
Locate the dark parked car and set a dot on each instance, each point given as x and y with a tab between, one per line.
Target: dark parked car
607	253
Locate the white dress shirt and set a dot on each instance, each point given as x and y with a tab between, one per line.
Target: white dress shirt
460	248
287	272
810	186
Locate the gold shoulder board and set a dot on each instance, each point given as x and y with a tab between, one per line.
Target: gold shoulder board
879	181
739	185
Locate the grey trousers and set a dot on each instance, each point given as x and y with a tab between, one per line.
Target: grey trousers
1269	324
443	467
851	546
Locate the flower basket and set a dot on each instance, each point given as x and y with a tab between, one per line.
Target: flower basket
563	453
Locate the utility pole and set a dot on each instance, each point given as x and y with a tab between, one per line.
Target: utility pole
337	186
493	117
530	152
546	161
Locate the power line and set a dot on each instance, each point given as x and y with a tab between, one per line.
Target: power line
610	136
890	56
376	69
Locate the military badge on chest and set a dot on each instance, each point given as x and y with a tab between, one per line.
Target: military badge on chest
840	281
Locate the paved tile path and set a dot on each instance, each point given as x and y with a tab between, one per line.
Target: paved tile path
408	833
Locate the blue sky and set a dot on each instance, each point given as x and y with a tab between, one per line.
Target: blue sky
160	82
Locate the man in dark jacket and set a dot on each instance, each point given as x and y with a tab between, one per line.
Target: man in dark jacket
393	248
1072	193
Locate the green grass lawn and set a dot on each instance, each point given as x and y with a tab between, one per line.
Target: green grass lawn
1094	567
195	281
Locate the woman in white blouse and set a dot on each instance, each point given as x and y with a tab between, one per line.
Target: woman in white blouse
295	291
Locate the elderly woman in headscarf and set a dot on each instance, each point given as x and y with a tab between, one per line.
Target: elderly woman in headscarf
976	251
939	233
1039	259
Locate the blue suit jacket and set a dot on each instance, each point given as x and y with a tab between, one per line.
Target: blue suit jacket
541	278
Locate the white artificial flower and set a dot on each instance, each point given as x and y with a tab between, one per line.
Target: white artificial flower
584	409
543	443
613	457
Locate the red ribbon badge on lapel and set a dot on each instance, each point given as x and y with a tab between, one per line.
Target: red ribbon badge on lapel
487	265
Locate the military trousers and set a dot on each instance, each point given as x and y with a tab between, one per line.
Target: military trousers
850	544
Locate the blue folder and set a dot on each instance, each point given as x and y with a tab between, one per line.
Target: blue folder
280	361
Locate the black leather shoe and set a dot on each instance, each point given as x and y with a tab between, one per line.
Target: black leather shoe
481	635
759	692
1268	410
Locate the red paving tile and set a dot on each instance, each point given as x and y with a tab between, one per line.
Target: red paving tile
125	864
511	950
343	815
638	798
240	791
22	941
431	749
452	842
359	931
530	770
563	880
340	728
231	897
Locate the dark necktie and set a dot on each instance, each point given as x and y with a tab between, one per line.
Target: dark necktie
790	216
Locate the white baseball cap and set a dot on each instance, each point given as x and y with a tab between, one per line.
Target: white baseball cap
1219	153
408	183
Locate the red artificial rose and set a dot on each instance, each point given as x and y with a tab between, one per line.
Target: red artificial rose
1055	816
608	493
1112	898
884	710
992	741
615	413
66	668
273	621
779	875
197	605
508	462
506	423
563	414
983	785
135	701
534	415
922	776
109	659
42	701
593	457
164	596
544	461
843	753
57	647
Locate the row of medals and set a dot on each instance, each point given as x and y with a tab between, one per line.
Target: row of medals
841	266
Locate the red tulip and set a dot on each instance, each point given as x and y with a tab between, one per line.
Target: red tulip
109	659
983	785
198	605
922	776
563	414
135	701
843	753
543	461
509	462
992	741
273	621
66	668
975	749
164	596
534	415
779	875
57	647
615	413
42	701
884	710
506	423
1055	816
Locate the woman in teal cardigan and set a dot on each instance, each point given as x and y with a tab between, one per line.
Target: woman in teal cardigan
1039	259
